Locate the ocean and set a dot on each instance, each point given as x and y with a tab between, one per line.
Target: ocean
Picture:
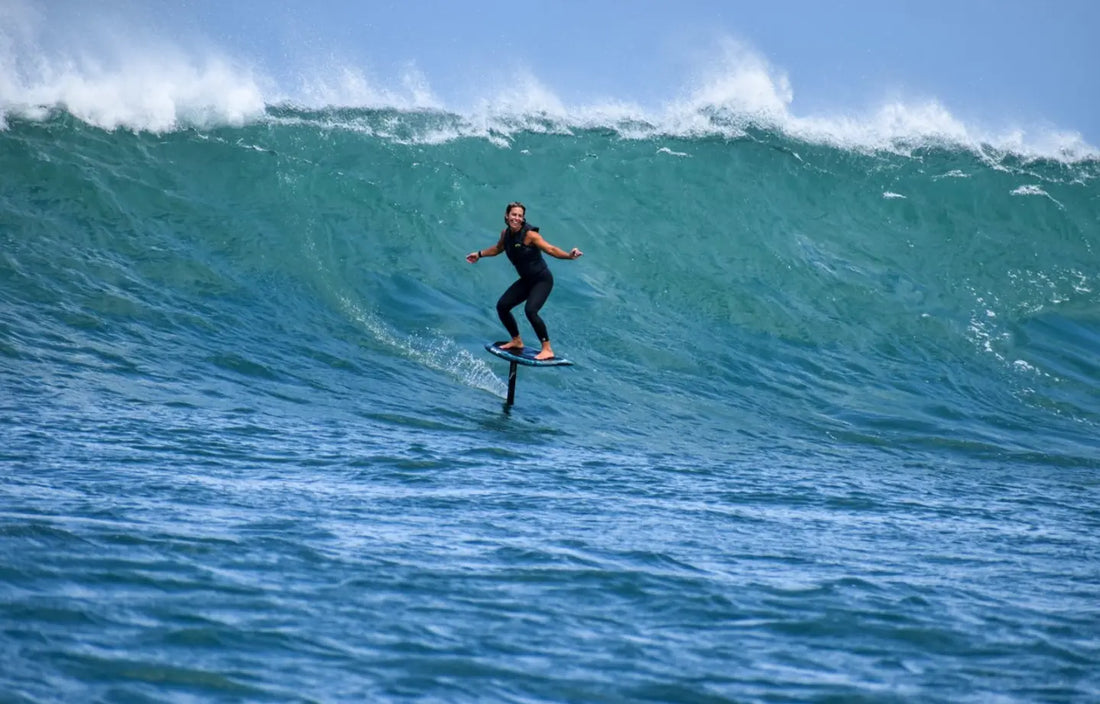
831	434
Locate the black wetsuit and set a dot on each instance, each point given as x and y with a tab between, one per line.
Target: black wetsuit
534	283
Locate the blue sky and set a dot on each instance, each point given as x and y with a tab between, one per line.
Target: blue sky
997	63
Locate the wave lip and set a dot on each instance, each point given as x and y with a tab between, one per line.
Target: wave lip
143	99
107	79
110	80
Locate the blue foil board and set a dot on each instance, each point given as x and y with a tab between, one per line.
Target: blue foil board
526	356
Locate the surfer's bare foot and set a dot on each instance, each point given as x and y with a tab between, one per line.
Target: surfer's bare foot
546	352
514	344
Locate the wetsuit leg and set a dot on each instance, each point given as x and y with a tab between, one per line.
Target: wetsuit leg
509	300
536	296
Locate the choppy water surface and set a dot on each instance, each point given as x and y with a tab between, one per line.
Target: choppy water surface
830	436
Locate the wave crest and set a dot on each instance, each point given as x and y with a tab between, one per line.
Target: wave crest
110	79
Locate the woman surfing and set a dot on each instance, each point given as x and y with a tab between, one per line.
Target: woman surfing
524	246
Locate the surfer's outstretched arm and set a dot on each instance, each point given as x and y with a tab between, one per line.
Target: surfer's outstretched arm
489	252
534	239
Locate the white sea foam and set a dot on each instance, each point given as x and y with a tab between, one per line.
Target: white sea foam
1029	190
113	79
109	78
1035	190
739	84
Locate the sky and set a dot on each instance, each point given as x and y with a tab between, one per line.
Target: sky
997	64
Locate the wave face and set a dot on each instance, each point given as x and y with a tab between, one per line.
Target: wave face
243	365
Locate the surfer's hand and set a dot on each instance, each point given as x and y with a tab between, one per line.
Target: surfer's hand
473	257
575	253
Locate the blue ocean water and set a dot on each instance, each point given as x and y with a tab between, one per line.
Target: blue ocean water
831	434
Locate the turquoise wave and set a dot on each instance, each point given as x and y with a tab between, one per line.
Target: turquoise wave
830	434
755	290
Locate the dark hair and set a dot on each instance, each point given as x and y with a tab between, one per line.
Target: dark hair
515	204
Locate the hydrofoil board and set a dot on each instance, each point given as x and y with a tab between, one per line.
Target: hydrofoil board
525	356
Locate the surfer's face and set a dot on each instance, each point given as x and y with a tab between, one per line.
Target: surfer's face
515	218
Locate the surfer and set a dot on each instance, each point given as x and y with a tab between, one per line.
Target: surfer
524	246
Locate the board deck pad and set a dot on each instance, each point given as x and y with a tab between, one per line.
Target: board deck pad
525	356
